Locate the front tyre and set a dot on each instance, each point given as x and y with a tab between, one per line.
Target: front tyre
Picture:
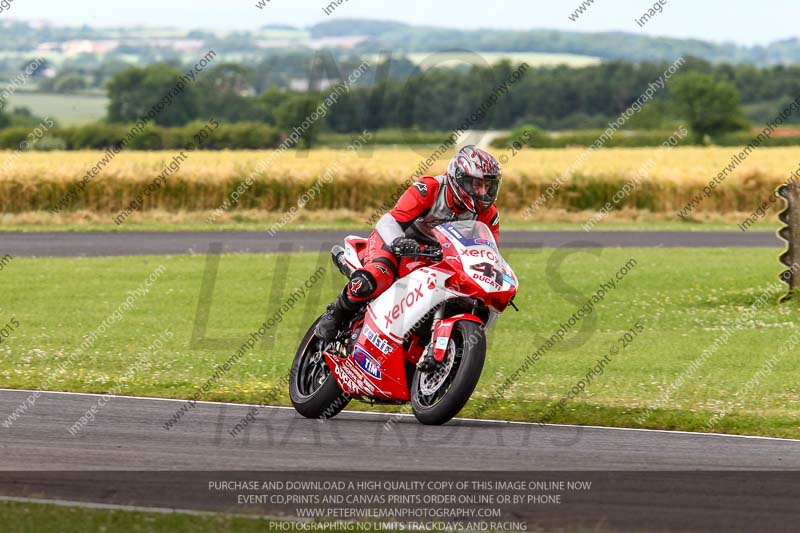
312	387
439	395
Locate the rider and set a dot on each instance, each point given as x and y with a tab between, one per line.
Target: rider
467	192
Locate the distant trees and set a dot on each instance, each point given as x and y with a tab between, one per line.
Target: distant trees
134	92
69	82
295	112
706	97
711	106
223	92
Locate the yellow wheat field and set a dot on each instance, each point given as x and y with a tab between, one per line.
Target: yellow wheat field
360	181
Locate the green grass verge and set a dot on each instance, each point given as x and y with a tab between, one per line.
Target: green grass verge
43	518
684	298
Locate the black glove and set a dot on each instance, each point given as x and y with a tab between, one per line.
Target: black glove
403	246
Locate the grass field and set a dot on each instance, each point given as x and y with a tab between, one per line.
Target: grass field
683	310
67	109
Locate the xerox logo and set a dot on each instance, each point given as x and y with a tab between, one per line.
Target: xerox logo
471	252
399	309
376	340
367	362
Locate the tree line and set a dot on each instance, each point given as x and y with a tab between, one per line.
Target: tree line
559	98
714	99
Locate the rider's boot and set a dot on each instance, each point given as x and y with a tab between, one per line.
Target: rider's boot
339	313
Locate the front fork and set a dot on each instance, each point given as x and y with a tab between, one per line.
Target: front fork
442	329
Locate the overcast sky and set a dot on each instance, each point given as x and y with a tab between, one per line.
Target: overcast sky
740	21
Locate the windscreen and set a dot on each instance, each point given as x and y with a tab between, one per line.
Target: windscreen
471	232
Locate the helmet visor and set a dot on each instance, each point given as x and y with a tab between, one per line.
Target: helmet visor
485	189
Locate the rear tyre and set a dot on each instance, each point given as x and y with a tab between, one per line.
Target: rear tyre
312	387
439	395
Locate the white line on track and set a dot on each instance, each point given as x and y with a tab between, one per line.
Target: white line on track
385	414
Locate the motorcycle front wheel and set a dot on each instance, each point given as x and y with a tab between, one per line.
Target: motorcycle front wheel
312	387
437	396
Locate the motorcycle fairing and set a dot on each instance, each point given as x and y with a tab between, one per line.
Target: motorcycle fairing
374	368
354	246
480	259
353	379
408	301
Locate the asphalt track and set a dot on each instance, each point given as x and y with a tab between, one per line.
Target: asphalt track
129	433
126	456
66	244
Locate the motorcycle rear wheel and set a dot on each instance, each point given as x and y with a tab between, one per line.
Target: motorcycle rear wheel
312	387
438	396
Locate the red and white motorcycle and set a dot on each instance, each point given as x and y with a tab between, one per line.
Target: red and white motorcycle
422	340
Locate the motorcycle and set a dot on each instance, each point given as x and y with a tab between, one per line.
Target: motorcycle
422	341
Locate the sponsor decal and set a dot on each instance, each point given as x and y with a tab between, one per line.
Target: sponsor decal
355	285
441	343
382	268
352	381
406	303
422	188
375	338
487	279
431	283
471	252
454	232
367	363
